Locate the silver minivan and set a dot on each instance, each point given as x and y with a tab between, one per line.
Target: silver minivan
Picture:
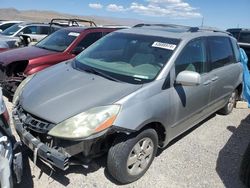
126	95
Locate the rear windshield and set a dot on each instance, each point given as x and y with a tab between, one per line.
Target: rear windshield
6	26
58	41
11	30
129	58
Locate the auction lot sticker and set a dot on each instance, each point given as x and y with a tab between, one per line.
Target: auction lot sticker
164	45
74	34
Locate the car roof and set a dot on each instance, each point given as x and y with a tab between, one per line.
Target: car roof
82	28
23	24
75	29
174	31
13	21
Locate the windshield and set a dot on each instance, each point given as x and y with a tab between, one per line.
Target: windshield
58	41
11	30
136	59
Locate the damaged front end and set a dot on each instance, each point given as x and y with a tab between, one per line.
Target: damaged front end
10	151
11	76
58	152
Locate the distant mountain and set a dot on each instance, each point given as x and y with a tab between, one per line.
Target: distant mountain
46	16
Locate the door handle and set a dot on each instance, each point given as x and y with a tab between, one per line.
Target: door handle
207	82
214	78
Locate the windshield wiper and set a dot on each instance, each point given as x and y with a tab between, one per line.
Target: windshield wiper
96	72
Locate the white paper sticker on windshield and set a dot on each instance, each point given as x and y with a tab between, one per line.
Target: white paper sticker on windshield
141	76
74	34
164	45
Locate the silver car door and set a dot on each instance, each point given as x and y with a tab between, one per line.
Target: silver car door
189	102
224	71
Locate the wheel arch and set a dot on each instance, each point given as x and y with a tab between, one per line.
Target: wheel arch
160	130
16	67
239	88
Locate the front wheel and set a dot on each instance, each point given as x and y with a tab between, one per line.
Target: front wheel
130	156
228	108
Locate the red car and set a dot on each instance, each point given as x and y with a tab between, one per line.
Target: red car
62	45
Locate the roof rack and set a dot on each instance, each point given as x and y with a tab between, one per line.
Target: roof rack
213	30
64	22
163	25
186	28
115	26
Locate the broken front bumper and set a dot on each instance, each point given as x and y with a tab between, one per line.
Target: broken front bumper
63	152
48	154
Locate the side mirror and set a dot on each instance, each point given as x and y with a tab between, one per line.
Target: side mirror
78	50
188	78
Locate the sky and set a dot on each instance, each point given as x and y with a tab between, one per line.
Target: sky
214	13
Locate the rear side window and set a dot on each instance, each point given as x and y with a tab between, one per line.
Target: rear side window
30	30
236	50
89	39
221	52
192	57
244	37
105	33
44	30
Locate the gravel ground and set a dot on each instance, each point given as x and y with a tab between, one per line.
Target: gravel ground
209	155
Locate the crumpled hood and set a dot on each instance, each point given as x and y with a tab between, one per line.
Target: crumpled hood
61	92
26	53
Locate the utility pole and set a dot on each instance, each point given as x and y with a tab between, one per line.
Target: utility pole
202	21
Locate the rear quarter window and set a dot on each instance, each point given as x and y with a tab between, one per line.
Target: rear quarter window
236	49
221	52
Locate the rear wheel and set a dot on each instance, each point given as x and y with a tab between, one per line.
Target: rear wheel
228	108
130	156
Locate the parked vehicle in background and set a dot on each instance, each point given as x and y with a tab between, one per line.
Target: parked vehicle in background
10	38
62	45
243	37
6	24
10	154
129	93
27	40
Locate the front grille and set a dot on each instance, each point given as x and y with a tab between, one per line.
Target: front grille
33	123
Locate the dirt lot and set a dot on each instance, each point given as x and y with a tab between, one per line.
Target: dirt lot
209	155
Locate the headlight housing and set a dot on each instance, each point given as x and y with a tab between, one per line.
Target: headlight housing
87	123
19	89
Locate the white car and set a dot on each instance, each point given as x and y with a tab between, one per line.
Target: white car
10	38
6	24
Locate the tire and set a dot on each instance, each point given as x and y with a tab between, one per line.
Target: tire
125	150
245	167
228	108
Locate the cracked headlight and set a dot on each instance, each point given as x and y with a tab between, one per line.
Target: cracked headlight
87	123
19	89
